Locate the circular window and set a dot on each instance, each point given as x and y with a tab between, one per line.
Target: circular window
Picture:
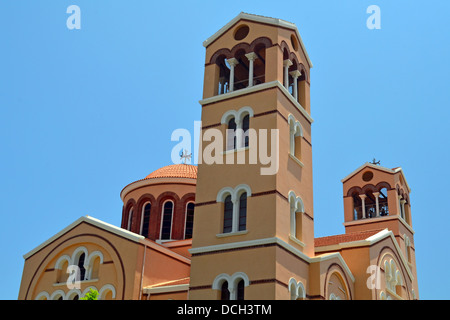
294	42
367	176
241	32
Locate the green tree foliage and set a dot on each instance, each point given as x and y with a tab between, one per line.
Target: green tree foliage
91	295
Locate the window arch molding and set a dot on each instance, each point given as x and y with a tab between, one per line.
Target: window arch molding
259	42
296	207
232	281
58	294
77	253
105	290
234	214
60	262
296	289
72	294
295	138
234	192
43	296
237	114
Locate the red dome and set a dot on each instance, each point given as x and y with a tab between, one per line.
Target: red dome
175	171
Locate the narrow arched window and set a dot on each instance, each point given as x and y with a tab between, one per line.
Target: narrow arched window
166	224
130	219
240	290
228	215
224	292
189	220
383	202
243	211
81	266
145	219
245	127
231	134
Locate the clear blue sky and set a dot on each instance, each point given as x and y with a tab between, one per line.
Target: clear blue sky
85	112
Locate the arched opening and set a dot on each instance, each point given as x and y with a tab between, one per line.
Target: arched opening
383	202
224	74
228	215
245	127
95	268
241	71
81	267
130	219
189	220
243	211
240	290
166	221
231	134
357	206
224	292
145	221
259	64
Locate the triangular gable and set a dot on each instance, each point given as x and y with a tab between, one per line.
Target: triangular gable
377	167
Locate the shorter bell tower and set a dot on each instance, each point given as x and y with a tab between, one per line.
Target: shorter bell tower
376	197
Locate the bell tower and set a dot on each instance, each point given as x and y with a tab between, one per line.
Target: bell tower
378	198
254	196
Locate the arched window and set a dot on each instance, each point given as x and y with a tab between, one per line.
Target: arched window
240	290
296	211
243	211
383	202
231	134
224	292
295	137
245	127
145	221
224	75
130	219
81	266
357	206
189	224
166	221
228	215
235	207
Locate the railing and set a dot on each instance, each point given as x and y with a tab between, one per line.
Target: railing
371	211
238	85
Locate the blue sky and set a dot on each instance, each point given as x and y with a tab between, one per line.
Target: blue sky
85	112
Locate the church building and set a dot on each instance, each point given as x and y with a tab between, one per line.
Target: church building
222	231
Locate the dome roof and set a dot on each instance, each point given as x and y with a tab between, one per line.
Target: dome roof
175	171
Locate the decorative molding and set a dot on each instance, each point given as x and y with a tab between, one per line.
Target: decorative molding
257	88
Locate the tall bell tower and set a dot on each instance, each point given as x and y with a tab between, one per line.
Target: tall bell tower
254	197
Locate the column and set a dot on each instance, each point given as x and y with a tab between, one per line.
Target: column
363	199
251	57
376	195
286	63
402	208
235	222
295	74
232	62
222	85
